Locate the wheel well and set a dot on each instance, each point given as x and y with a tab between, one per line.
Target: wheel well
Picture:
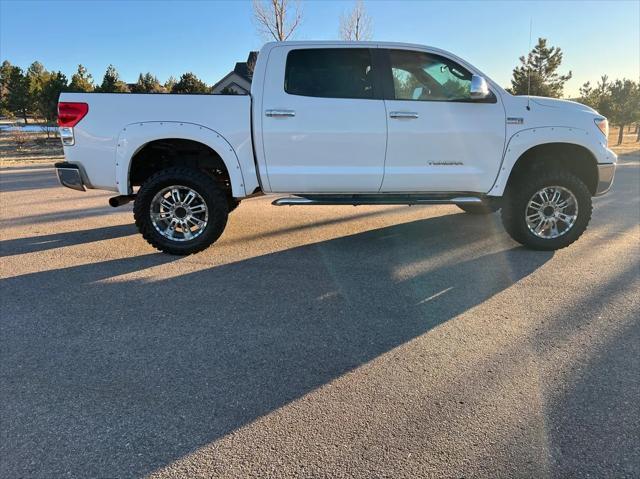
574	158
160	154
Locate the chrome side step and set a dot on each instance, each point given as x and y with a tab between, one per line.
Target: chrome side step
376	200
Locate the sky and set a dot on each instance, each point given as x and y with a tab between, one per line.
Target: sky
207	37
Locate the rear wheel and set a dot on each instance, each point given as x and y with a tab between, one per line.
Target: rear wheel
479	209
547	212
181	210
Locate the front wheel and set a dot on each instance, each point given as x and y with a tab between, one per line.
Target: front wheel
547	212
181	210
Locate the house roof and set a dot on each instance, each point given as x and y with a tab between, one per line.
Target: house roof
242	69
225	78
245	69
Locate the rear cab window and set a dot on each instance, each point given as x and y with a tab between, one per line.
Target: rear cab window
330	73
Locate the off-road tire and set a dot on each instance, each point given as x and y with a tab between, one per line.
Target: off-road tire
479	209
210	191
232	204
519	193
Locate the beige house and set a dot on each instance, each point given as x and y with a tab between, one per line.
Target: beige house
238	81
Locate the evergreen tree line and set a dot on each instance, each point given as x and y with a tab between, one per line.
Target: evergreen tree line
618	100
35	92
538	75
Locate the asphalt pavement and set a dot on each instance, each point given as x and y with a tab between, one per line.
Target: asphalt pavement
315	342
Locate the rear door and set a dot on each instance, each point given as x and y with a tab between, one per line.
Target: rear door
324	126
439	138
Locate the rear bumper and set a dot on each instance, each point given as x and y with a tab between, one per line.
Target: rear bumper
606	173
69	175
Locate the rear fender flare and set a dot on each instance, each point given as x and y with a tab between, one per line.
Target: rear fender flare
135	136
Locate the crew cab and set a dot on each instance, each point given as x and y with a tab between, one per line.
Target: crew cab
331	123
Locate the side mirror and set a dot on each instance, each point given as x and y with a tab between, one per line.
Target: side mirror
479	88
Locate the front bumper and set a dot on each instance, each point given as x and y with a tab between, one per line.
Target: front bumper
606	173
69	175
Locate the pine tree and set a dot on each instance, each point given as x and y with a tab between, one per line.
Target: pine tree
540	69
81	81
37	76
147	83
625	103
170	83
111	82
598	97
17	100
5	74
588	96
190	83
48	97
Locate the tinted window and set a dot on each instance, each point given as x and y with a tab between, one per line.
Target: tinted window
427	77
329	73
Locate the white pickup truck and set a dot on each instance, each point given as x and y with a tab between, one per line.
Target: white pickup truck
334	123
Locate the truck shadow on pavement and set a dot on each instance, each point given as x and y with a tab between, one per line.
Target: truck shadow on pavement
67	238
27	178
34	244
105	376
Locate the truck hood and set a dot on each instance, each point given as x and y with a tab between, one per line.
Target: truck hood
562	104
544	112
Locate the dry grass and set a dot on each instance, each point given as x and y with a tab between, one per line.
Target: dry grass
629	150
19	138
29	147
36	147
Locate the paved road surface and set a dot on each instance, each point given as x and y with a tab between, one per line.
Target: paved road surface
315	342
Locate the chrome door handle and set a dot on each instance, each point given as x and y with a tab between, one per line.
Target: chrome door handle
403	114
279	113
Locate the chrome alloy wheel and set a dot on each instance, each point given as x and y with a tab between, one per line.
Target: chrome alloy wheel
551	212
179	213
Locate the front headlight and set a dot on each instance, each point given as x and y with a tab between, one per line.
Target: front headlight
603	125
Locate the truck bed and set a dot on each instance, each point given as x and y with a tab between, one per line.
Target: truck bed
102	132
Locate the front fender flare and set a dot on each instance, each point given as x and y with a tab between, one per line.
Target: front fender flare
135	136
524	140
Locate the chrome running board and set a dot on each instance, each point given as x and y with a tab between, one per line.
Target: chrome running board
392	199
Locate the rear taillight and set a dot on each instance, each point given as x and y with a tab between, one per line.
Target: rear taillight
70	113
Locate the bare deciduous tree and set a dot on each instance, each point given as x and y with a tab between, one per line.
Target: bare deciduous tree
356	26
275	18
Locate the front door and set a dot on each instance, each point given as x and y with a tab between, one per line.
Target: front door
324	128
439	138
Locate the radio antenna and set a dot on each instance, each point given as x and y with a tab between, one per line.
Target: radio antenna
529	64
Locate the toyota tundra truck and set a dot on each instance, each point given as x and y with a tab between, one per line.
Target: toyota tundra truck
341	123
